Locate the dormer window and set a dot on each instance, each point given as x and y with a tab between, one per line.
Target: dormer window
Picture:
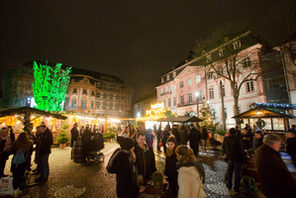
84	91
162	80
237	44
174	74
209	58
168	77
74	90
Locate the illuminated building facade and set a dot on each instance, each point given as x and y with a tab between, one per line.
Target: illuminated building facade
195	82
88	92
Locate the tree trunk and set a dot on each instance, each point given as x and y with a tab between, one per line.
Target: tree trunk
235	99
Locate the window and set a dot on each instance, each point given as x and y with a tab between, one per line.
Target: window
74	90
97	105
237	44
221	52
162	80
220	70
209	58
213	112
197	79
175	101
83	104
225	113
92	104
169	103
189	82
85	81
174	74
168	77
190	98
182	99
73	103
250	86
84	91
181	84
92	93
211	90
210	75
111	97
117	97
104	96
98	95
247	62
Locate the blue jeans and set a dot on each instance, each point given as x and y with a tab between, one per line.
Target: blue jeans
44	167
236	167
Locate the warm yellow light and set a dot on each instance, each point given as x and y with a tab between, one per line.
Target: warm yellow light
157	106
114	120
259	113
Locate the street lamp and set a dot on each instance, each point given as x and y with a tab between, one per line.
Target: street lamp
197	94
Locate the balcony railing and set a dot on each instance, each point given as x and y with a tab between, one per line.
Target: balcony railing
186	104
165	93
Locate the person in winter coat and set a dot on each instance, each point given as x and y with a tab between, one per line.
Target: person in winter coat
86	143
22	149
145	159
122	164
258	141
183	135
276	179
11	134
191	174
204	136
236	157
158	133
45	140
194	139
291	145
74	134
176	133
171	166
164	137
5	146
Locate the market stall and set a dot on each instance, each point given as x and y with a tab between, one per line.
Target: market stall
266	119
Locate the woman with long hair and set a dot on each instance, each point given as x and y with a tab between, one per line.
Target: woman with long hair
171	166
22	149
5	146
191	174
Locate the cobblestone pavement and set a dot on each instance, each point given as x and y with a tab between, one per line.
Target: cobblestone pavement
69	179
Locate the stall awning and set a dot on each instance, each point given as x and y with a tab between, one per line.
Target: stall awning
28	110
262	113
182	119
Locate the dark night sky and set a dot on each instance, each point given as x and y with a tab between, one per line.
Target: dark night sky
135	40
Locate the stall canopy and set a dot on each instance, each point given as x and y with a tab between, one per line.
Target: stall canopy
27	112
182	119
262	113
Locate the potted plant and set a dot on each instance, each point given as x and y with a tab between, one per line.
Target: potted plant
63	137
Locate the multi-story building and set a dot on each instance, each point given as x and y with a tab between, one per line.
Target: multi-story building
88	92
143	104
196	82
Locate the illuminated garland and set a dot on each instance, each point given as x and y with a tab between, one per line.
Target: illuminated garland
50	86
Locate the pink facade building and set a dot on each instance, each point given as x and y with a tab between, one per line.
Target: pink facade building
191	83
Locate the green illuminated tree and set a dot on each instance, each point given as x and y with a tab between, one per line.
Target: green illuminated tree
50	86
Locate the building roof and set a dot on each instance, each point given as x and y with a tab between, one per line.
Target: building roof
262	113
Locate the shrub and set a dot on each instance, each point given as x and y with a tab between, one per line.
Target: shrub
63	138
109	135
220	132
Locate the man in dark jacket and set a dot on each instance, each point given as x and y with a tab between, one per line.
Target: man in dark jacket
291	145
276	179
158	134
236	157
44	142
122	164
86	142
183	135
145	159
176	133
164	137
194	139
74	134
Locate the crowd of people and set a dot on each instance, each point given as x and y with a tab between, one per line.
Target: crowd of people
134	162
22	149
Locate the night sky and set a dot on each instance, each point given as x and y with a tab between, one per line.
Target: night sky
135	40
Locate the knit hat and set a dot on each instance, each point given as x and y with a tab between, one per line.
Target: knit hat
172	139
125	143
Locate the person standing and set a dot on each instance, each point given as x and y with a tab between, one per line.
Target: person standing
145	159
176	133
86	142
258	141
291	145
11	134
158	135
122	164
164	137
183	135
204	136
45	141
171	167
22	149
276	179
191	174
236	157
74	134
194	139
5	146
